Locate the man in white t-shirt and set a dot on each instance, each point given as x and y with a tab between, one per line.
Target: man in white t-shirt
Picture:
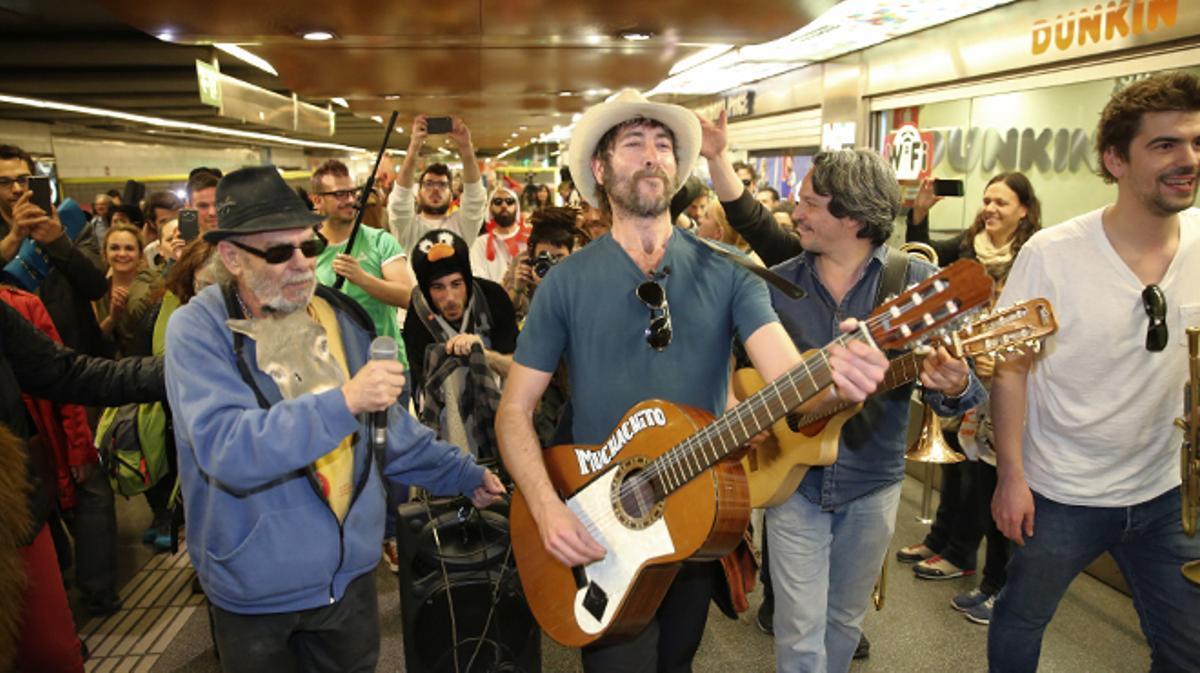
411	219
1088	458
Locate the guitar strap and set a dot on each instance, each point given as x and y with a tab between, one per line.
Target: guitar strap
782	284
891	280
895	270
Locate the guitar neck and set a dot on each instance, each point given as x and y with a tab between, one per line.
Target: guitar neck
901	370
756	413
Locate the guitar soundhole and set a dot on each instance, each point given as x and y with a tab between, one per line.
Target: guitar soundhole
635	496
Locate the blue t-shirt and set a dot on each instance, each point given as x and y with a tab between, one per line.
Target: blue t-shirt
586	309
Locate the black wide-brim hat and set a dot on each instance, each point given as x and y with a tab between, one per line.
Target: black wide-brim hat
256	199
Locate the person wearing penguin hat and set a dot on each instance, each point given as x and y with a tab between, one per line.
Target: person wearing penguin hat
455	309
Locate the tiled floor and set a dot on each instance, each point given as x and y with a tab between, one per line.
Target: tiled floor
1095	631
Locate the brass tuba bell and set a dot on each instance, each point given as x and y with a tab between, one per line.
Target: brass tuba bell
930	446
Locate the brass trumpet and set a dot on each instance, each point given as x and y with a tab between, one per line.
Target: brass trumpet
1190	451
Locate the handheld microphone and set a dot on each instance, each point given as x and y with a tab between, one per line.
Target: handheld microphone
382	348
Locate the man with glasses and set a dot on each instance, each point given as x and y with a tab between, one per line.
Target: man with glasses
283	497
434	197
506	234
1087	457
377	277
76	275
747	175
647	312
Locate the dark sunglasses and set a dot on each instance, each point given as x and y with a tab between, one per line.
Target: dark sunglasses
504	202
654	296
1155	303
278	254
746	183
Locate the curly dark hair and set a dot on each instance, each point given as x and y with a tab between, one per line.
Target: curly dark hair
555	226
1122	116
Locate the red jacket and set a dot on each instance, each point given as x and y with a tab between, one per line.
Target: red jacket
63	426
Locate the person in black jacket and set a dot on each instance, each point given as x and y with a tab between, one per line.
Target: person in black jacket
1009	215
454	309
30	362
76	275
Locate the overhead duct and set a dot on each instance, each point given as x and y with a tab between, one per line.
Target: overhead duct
246	102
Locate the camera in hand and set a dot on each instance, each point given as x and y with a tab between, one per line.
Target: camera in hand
542	263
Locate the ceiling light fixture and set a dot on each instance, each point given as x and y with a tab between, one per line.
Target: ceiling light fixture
507	152
340	101
240	53
706	54
166	35
849	26
565	94
635	35
171	123
318	35
377	119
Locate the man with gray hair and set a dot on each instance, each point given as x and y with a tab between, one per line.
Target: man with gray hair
271	388
829	538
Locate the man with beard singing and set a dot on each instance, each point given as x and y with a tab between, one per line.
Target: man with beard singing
284	498
605	311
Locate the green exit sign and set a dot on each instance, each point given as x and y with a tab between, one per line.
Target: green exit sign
209	80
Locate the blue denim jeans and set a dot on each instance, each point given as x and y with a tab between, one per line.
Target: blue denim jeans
1149	545
823	567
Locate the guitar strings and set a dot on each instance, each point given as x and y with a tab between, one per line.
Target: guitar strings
677	457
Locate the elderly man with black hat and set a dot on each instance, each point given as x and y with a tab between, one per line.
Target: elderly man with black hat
647	312
283	494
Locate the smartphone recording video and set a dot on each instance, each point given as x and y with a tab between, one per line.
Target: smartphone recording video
189	224
947	187
438	125
39	187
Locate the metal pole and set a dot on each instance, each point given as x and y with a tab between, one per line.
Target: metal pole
925	516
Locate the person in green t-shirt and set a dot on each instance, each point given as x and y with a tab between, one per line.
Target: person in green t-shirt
377	277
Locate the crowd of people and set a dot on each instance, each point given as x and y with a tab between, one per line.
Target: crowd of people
245	318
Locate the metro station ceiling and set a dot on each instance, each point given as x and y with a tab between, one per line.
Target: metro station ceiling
500	64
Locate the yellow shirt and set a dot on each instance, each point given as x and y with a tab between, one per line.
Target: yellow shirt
335	470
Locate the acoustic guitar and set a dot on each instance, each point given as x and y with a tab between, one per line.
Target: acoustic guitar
775	467
667	485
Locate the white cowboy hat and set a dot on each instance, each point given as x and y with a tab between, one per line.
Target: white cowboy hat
623	106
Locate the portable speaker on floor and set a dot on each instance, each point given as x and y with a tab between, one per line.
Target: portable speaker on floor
461	601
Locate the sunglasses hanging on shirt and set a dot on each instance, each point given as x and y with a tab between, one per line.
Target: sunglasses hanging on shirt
1155	303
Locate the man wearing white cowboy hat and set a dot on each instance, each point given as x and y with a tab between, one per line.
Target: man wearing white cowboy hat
648	312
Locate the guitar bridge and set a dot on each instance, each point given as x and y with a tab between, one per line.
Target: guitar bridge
595	601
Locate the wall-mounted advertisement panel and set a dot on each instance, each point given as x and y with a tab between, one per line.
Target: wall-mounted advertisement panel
1047	133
